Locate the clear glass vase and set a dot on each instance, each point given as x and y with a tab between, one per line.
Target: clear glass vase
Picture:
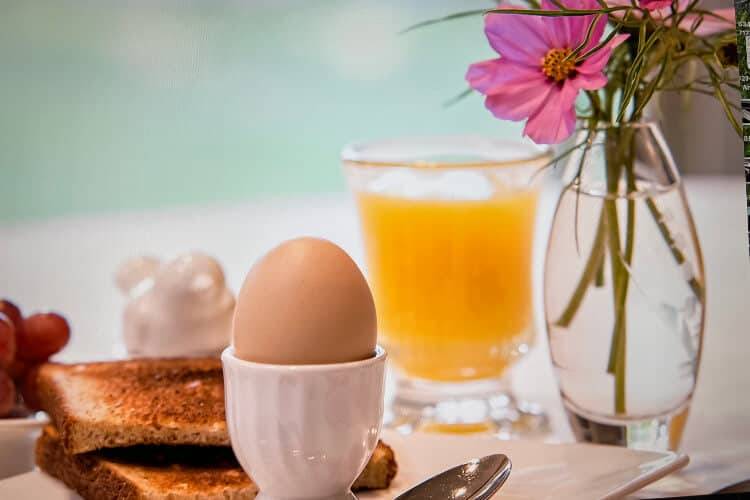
624	290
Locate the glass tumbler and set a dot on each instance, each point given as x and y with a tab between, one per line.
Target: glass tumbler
448	225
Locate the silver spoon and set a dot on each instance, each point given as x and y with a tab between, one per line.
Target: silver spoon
477	479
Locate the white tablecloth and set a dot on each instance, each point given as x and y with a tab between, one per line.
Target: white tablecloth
67	264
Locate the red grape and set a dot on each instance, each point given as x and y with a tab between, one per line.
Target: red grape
29	389
7	341
42	336
7	394
17	370
12	312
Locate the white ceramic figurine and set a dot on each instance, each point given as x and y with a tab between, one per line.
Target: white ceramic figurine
178	308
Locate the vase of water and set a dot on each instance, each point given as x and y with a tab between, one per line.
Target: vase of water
624	290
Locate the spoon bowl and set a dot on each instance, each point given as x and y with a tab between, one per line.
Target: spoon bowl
477	479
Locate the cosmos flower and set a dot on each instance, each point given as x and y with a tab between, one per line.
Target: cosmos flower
534	79
655	4
722	19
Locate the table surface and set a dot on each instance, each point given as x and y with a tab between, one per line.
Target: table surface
68	263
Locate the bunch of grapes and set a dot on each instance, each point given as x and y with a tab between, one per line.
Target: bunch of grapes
25	343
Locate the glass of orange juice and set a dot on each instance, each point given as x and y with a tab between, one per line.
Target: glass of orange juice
448	225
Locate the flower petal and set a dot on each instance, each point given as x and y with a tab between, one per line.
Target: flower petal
570	31
572	4
482	76
596	34
517	37
596	62
489	77
590	82
554	121
711	25
655	4
519	101
556	34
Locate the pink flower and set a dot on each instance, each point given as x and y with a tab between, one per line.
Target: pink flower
655	4
532	79
722	20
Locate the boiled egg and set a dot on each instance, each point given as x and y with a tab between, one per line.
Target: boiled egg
304	302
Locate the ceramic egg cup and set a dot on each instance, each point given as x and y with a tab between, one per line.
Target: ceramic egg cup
304	431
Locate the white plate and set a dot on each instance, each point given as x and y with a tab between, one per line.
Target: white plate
540	470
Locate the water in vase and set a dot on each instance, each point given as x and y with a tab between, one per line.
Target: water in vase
663	312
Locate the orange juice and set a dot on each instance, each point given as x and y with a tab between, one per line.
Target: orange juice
451	280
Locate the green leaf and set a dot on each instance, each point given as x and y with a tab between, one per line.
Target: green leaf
458	97
601	44
633	78
451	17
652	86
557	13
722	98
586	39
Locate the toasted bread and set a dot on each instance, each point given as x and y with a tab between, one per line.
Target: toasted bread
170	472
137	402
146	473
141	403
379	471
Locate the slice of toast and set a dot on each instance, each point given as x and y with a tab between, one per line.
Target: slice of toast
379	471
146	472
136	402
170	472
116	404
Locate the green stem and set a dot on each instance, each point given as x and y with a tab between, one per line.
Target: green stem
620	261
620	405
601	44
451	17
463	94
651	88
722	98
621	360
559	13
574	53
613	244
599	280
581	164
679	257
594	263
634	75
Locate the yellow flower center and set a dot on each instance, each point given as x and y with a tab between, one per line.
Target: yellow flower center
556	67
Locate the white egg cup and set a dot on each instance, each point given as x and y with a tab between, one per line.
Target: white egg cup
304	432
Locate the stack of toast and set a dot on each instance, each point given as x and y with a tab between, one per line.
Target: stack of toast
150	429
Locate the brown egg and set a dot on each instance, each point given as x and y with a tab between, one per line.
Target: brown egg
304	302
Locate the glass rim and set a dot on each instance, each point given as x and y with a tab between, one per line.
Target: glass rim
604	126
356	154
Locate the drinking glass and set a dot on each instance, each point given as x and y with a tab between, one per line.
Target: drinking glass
448	225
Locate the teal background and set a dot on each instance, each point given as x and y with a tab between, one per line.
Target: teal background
126	105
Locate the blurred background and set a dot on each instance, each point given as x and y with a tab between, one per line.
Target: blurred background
114	105
110	105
